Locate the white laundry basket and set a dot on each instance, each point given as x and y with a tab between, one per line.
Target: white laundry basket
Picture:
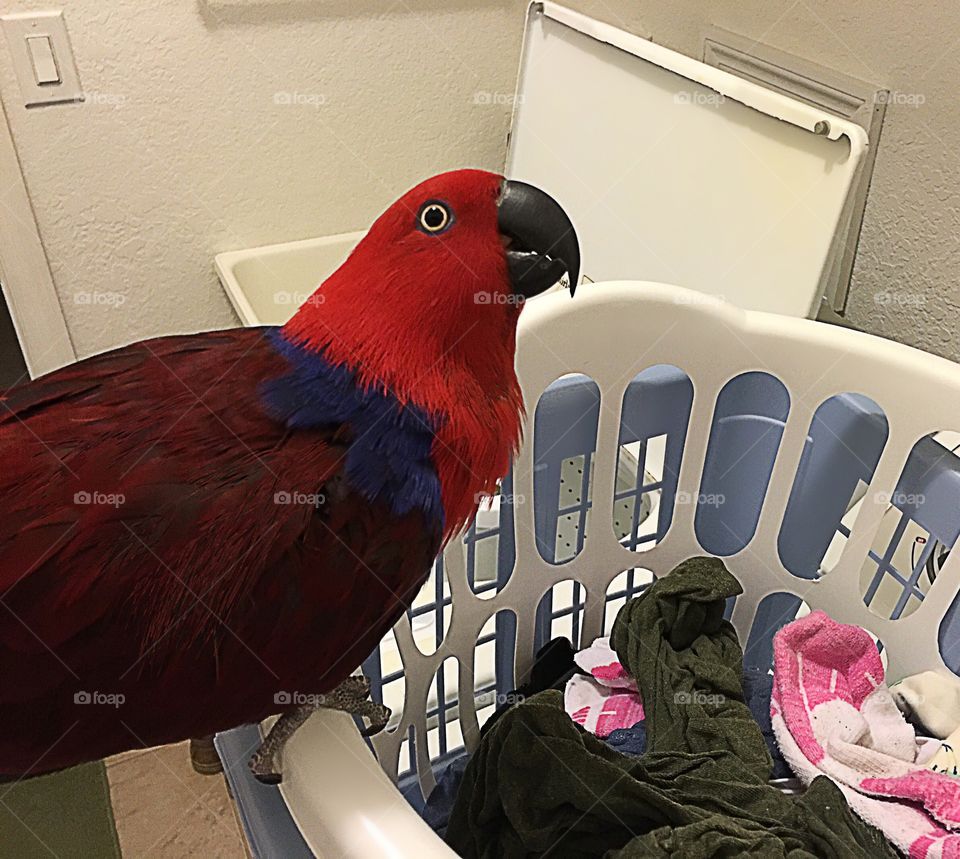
752	379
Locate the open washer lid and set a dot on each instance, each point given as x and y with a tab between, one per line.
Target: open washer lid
676	171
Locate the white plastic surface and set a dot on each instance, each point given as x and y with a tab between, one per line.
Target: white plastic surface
344	804
611	332
266	285
676	171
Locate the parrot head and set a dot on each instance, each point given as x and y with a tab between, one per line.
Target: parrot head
457	254
426	306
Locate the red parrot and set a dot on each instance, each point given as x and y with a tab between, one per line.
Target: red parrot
194	526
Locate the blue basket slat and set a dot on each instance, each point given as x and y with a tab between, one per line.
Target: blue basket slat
737	470
846	438
658	402
774	612
929	490
565	426
506	622
748	421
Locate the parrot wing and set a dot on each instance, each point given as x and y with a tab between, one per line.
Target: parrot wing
144	449
162	535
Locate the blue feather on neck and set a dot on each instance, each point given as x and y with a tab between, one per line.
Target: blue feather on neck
389	453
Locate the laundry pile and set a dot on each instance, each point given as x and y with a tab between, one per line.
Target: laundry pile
605	700
655	742
833	715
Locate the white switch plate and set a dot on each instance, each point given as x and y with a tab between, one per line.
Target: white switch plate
21	26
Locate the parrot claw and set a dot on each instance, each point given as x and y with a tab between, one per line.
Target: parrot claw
272	779
378	715
351	696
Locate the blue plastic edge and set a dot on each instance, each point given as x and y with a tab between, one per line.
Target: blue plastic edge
267	823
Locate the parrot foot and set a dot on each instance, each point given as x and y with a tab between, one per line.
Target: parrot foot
351	696
263	761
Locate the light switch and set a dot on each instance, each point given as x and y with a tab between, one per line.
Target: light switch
44	63
42	57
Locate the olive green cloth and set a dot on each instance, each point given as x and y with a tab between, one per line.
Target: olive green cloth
539	785
66	815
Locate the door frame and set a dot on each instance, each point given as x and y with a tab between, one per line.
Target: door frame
27	282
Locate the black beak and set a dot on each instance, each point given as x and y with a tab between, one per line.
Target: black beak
541	242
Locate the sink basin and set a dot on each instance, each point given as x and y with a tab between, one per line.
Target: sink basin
266	285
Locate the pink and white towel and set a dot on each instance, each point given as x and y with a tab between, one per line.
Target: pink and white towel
832	715
601	662
606	700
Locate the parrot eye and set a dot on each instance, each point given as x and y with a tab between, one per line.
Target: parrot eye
435	217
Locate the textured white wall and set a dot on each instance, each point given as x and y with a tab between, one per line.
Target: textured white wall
906	282
182	150
184	147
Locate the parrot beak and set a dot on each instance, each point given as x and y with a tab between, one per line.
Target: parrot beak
539	240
